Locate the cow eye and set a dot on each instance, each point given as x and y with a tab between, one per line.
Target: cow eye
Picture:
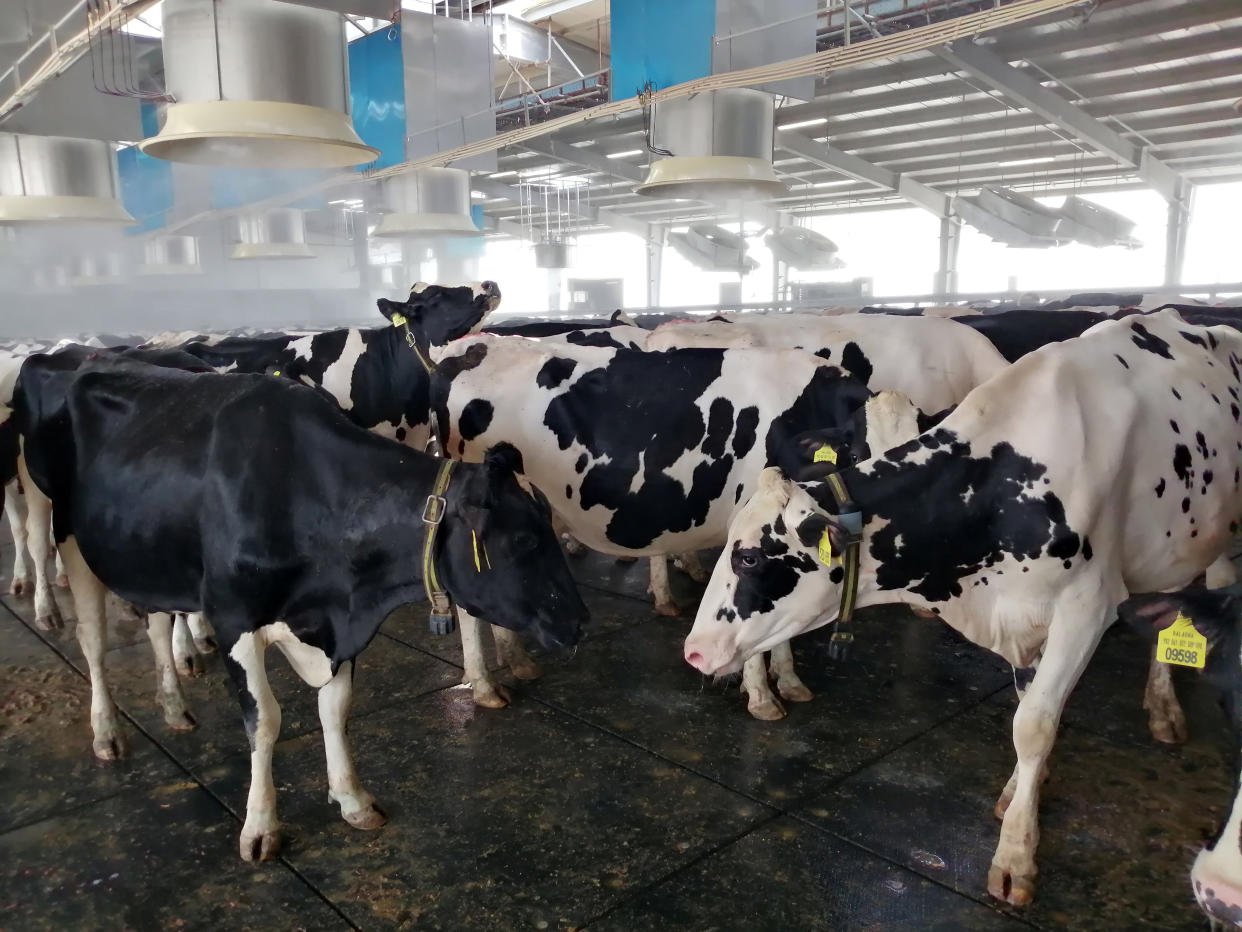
748	560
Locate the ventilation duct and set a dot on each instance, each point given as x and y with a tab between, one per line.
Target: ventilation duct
96	269
171	255
56	178
800	248
713	248
279	233
1009	217
430	202
1092	225
257	83
719	145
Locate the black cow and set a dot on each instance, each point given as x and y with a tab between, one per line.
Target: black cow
254	500
552	328
1216	615
1016	333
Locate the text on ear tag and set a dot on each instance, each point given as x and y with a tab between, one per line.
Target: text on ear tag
1181	644
398	320
825	548
825	454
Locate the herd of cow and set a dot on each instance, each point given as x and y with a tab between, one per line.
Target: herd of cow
1018	475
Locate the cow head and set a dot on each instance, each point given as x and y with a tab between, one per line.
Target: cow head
500	558
770	583
439	314
1217	615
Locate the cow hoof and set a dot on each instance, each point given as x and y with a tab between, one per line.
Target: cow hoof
259	846
524	668
667	609
62	581
769	710
1016	890
20	587
796	693
110	747
1170	730
51	619
180	721
491	696
191	666
368	819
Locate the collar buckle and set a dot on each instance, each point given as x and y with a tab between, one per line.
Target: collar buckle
433	509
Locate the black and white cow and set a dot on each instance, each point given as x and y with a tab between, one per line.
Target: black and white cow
372	373
1085	471
932	361
538	329
1016	333
254	500
639	453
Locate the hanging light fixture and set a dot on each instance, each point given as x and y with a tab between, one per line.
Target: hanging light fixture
713	248
803	248
257	83
171	255
714	146
430	202
1092	225
58	178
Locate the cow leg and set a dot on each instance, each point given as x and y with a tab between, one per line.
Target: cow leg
788	683
689	564
487	692
62	578
260	835
186	658
1072	637
17	525
511	653
760	702
358	807
1165	718
88	603
168	686
659	587
1021	680
38	523
201	631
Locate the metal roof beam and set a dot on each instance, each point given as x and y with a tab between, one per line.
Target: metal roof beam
852	166
998	74
587	158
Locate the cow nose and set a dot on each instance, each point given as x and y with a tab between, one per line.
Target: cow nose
696	660
1219	898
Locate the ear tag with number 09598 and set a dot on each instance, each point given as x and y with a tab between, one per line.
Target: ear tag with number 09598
1181	644
825	454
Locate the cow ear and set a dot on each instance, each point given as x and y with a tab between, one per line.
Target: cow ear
395	311
503	459
811	531
1211	612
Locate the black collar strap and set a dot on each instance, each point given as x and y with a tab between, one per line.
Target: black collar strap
441	620
435	445
849	518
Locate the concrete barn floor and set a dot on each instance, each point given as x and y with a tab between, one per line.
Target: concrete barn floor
622	791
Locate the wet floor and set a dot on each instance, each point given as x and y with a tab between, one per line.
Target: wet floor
620	791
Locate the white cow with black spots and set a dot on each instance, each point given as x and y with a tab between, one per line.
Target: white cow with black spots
1088	470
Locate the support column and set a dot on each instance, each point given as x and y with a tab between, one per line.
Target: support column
655	255
946	276
1180	208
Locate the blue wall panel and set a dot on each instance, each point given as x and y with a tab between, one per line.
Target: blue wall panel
377	94
146	182
660	41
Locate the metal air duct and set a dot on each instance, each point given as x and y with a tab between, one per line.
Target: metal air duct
279	233
1092	225
430	202
57	178
713	248
171	255
257	83
802	248
720	145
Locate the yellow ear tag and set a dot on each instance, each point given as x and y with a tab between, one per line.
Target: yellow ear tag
275	372
825	549
475	538
825	454
1181	644
398	320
